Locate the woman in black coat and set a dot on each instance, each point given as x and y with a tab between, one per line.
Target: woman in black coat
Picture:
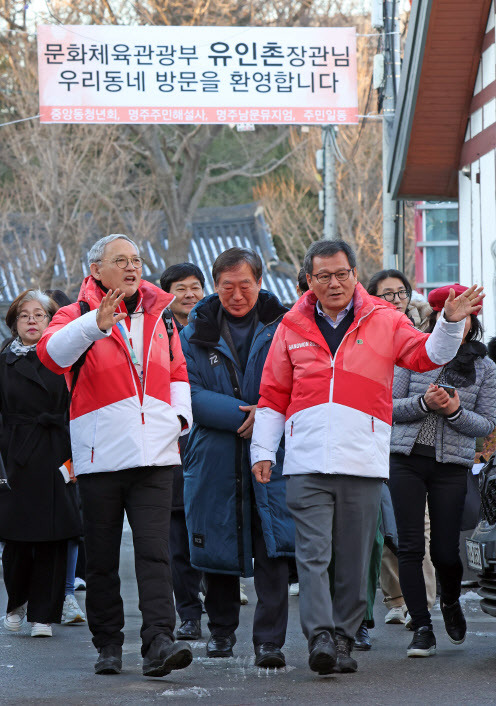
39	513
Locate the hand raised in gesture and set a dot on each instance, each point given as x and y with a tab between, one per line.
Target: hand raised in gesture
466	303
106	316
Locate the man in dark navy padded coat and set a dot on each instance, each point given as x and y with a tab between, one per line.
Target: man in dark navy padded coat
231	519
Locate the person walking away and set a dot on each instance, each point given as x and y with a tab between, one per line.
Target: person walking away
186	282
327	384
392	286
39	514
437	416
229	520
130	402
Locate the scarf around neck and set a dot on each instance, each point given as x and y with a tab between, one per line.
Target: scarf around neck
18	347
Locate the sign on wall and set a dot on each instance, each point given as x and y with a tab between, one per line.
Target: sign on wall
149	74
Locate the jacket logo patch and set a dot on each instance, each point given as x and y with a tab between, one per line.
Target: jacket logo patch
214	359
359	341
199	540
160	335
301	345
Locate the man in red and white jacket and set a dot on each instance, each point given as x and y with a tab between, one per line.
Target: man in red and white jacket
130	403
327	384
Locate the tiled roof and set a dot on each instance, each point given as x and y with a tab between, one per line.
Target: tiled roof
214	230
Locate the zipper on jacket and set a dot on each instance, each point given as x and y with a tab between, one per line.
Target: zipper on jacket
337	349
94	436
292	424
145	368
262	330
372	420
142	417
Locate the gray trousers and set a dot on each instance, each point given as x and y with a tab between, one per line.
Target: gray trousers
335	515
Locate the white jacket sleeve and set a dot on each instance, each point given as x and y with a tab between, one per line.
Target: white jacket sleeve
267	432
181	402
444	342
68	343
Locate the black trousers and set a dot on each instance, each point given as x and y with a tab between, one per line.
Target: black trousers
271	585
145	494
35	572
185	579
445	484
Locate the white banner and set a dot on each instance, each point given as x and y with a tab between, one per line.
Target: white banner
150	74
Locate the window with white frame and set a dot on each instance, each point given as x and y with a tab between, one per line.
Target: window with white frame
439	245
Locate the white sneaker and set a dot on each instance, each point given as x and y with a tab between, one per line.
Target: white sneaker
71	612
294	589
79	584
242	595
396	615
41	630
408	622
13	621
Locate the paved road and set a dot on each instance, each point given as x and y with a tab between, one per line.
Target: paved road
60	670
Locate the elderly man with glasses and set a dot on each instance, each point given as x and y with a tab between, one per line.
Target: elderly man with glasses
130	402
327	384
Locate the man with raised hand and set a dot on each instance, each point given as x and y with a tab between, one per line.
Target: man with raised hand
327	384
130	401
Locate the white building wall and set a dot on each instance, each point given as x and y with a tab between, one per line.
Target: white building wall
477	198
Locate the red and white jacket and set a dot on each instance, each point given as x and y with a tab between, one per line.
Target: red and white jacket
116	420
336	412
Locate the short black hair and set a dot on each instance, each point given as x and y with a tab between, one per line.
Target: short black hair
234	257
302	280
176	273
376	279
58	296
328	248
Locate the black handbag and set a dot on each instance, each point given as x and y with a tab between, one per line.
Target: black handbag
4	483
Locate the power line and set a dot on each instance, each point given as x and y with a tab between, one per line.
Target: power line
21	120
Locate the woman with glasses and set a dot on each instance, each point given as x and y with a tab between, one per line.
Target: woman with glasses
393	287
39	514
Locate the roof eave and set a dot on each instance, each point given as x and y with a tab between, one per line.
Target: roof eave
407	96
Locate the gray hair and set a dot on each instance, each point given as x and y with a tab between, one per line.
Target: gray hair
29	295
96	252
36	295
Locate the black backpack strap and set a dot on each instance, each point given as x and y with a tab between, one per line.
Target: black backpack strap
169	327
84	307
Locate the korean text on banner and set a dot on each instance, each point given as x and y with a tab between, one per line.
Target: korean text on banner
113	74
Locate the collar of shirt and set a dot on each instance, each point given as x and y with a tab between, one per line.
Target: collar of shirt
339	317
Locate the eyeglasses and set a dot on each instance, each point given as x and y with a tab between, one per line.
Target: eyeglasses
390	296
38	317
325	277
122	262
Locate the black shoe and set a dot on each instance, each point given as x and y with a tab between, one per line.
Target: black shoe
362	639
423	643
269	655
345	663
163	656
109	660
454	622
221	645
189	630
322	653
